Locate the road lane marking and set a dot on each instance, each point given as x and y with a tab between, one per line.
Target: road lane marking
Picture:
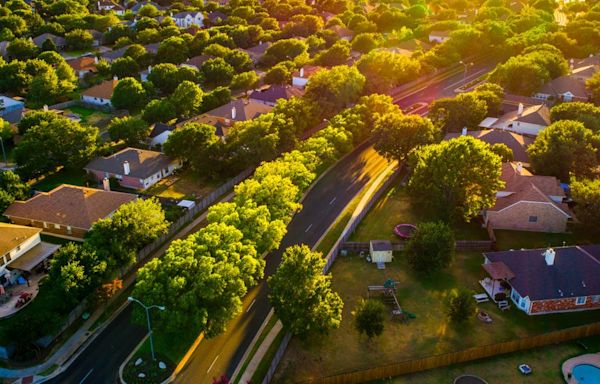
250	306
86	376
308	229
213	363
465	80
332	200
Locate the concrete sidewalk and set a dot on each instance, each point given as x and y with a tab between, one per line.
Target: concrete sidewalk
77	343
260	353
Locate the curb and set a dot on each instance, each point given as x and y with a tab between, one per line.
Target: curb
122	366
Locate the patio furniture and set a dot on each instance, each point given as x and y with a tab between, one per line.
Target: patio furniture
481	297
23	299
483	316
525	369
503	305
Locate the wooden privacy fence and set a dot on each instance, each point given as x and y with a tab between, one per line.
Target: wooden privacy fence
461	245
475	353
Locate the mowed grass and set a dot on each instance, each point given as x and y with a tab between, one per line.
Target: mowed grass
48	183
546	364
430	333
184	185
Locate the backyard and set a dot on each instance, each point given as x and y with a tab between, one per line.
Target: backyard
183	185
91	116
48	183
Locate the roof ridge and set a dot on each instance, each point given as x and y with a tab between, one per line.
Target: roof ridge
588	254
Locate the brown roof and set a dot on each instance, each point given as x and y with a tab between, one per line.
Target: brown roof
142	163
244	110
517	143
84	63
11	236
524	186
309	70
498	271
565	84
197	61
103	90
78	207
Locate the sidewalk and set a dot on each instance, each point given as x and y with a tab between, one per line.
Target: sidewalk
260	353
77	343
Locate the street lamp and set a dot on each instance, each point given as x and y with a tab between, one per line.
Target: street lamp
148	308
466	65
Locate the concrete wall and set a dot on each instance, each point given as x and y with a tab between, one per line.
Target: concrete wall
516	217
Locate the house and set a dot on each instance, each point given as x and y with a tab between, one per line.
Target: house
413	45
21	250
342	32
223	117
216	17
381	251
83	65
585	68
11	110
196	61
528	120
60	42
137	6
300	78
133	168
439	36
97	36
542	281
258	51
528	202
159	134
517	143
187	19
108	5
113	55
152	48
68	210
271	94
564	88
100	94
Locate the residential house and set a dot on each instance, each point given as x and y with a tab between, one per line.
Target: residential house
564	88
137	6
133	168
68	210
216	17
517	143
60	42
159	134
300	77
196	61
187	19
110	56
528	120
83	65
439	36
97	36
21	250
11	110
271	94
258	51
152	48
528	202
100	94
585	68
543	281
223	117
342	32
108	5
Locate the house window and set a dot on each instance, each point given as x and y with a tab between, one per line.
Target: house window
69	231
56	226
581	300
18	248
533	219
596	299
45	224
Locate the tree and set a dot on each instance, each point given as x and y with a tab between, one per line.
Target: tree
366	42
44	88
159	111
563	148
132	130
49	46
369	317
453	114
586	194
460	305
128	94
22	49
277	193
315	308
245	81
173	50
79	39
457	178
385	70
123	67
195	144
431	249
282	50
165	77
279	74
212	269
337	54
299	170
186	99
586	113
335	88
116	239
397	134
593	84
217	72
36	117
11	189
60	142
217	97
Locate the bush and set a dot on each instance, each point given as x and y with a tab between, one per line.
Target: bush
461	305
431	248
369	317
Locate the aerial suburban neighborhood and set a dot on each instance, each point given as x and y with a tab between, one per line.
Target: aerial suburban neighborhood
300	191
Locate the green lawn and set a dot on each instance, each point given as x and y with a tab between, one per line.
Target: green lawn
48	183
149	367
183	185
546	364
91	116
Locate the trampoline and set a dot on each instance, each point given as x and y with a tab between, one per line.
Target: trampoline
469	379
405	231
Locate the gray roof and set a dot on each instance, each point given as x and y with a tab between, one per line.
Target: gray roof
114	54
182	15
243	110
142	163
159	128
517	143
381	245
575	272
565	84
58	41
13	109
276	92
136	8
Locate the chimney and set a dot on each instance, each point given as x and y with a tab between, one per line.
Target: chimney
116	78
106	184
520	110
233	113
149	68
95	59
519	168
464	131
302	72
126	169
549	255
45	107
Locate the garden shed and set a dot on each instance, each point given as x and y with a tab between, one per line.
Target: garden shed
381	251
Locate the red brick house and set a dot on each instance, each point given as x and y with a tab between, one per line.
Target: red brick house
541	281
67	211
133	168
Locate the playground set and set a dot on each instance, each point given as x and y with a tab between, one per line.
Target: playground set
388	293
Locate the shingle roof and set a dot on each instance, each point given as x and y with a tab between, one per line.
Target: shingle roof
83	63
142	163
182	15
12	236
381	245
518	143
197	61
574	273
309	70
103	90
243	110
565	84
159	128
276	92
39	40
78	207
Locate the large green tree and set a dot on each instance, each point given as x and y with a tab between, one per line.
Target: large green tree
335	88
187	99
457	178
593	84
128	94
453	114
277	193
586	113
301	294
397	134
11	188
369	317
586	194
431	249
132	130
196	144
